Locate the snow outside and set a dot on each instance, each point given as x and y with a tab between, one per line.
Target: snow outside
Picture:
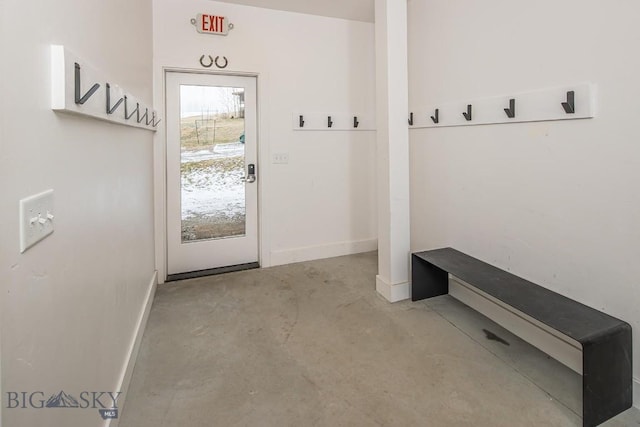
212	162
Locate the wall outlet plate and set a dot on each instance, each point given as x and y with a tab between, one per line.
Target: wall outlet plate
280	158
36	219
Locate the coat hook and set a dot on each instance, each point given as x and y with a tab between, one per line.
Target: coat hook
411	119
301	121
149	120
144	116
81	99
226	62
467	114
436	118
511	111
355	121
111	110
206	65
127	116
570	105
153	120
329	121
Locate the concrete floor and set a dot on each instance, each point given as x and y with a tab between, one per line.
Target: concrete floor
312	344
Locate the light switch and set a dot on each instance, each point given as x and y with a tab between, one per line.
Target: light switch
36	219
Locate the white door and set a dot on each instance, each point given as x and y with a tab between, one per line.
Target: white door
212	193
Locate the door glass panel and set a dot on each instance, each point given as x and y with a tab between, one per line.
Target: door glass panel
212	162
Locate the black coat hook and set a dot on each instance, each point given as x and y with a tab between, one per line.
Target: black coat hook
511	111
329	121
127	116
355	121
301	121
206	65
467	114
570	105
149	120
226	62
411	119
81	99
144	116
110	109
436	117
153	120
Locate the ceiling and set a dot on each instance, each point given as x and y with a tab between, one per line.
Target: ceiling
357	10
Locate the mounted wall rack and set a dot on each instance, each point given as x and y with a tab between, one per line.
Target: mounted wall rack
333	121
563	103
70	78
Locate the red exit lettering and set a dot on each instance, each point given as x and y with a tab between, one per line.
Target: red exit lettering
212	24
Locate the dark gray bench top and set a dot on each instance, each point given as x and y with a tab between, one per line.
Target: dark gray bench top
576	320
607	387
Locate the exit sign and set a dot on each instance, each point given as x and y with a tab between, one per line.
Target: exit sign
212	24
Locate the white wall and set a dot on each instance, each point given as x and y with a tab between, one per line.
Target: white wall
392	142
70	305
554	202
323	202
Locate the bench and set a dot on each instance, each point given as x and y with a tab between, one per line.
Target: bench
605	340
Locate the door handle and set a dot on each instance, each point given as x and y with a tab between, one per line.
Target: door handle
251	174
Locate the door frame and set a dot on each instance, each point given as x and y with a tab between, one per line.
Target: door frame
160	167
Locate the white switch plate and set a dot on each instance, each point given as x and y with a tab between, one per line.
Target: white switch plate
281	158
36	219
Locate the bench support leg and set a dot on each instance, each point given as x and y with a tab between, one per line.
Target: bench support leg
427	280
606	379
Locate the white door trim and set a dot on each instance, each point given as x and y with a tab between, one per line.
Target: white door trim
160	162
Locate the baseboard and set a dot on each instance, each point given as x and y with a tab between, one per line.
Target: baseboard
310	253
130	362
393	293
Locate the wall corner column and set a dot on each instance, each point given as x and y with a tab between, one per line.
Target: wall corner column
392	99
